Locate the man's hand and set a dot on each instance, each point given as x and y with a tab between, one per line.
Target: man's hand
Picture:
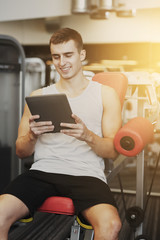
38	128
77	130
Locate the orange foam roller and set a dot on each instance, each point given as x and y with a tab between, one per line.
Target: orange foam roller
134	136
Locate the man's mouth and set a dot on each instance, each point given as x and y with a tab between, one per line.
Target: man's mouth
65	69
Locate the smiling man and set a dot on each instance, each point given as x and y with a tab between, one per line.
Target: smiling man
69	163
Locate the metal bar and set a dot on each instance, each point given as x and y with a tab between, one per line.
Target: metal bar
140	188
118	165
89	234
140	191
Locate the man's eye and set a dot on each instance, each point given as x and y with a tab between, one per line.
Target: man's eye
69	55
55	57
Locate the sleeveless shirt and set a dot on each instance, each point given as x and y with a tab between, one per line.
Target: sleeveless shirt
62	154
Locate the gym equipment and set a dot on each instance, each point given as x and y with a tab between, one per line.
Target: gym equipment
12	75
5	169
61	205
141	237
133	137
34	75
134	216
147	106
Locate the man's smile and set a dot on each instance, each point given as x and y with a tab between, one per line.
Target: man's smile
65	69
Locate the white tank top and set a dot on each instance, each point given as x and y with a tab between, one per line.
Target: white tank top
59	153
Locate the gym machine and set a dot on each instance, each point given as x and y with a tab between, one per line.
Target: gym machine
12	75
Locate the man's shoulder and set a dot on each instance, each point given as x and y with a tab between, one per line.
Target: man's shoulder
43	90
37	92
95	83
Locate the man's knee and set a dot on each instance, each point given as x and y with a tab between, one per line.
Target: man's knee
4	222
11	209
105	220
108	229
115	226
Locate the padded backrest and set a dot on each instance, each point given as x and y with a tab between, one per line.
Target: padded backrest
116	80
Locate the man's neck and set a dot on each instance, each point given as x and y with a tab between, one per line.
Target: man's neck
72	87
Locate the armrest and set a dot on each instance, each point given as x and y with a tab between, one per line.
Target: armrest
134	136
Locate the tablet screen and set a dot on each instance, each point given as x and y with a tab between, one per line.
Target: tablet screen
52	107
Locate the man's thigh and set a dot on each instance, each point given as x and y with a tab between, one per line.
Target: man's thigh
90	192
30	189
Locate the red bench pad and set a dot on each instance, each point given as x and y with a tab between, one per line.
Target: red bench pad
59	205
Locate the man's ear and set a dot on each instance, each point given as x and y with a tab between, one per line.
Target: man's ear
83	55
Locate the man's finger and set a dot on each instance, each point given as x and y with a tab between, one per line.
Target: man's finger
68	125
33	117
77	119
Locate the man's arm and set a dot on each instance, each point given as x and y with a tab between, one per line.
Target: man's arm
111	122
29	130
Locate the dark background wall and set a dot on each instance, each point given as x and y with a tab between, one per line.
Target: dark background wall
146	54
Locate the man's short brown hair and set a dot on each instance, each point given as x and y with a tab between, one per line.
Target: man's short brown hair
66	34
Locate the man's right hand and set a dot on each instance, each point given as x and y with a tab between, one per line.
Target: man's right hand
38	128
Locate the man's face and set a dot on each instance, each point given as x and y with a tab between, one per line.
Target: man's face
66	59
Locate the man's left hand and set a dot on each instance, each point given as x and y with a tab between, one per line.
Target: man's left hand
77	130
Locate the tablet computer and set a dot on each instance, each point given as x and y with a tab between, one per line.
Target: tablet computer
51	107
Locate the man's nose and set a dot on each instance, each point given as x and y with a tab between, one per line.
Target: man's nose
62	61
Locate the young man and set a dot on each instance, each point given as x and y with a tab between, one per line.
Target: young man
69	163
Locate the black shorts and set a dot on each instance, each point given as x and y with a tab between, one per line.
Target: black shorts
33	187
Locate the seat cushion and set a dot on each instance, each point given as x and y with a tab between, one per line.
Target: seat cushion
58	205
